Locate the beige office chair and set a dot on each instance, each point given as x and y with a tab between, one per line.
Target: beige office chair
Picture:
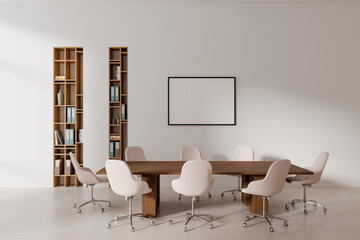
190	153
86	176
123	183
134	153
271	185
195	180
242	153
307	180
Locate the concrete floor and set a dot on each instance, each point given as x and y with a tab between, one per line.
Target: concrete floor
48	214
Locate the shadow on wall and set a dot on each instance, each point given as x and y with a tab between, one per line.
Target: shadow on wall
219	157
270	159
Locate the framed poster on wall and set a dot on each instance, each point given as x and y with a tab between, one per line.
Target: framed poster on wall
201	100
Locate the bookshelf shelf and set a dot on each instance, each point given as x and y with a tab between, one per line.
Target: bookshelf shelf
68	64
118	77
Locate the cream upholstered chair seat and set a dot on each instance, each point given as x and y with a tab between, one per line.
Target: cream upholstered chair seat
122	183
271	185
86	176
195	180
307	180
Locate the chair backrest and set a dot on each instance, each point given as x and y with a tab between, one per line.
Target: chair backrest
85	175
120	178
196	177
243	153
318	168
274	180
190	153
134	153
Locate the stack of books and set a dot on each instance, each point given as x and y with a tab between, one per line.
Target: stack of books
59	140
70	114
115	94
70	136
114	149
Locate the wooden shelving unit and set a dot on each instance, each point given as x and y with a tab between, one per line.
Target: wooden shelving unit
68	62
118	77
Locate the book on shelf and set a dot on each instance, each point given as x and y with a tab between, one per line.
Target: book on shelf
115	137
117	94
68	167
68	114
111	150
58	170
81	135
117	149
58	138
117	73
112	94
73	115
59	77
123	111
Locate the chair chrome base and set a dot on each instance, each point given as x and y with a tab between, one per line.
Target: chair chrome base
235	191
192	215
304	201
250	217
93	201
197	198
130	216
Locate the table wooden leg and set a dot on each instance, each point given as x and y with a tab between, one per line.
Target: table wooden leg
246	198
158	190
254	201
150	200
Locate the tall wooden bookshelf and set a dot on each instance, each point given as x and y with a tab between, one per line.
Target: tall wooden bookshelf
68	65
118	107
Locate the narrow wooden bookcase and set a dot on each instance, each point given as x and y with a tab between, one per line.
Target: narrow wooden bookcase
68	76
118	107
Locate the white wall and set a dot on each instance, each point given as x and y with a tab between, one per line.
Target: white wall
297	70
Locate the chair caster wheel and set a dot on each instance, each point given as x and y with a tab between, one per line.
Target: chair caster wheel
286	207
185	229
210	219
292	204
108	226
244	225
79	210
209	195
109	204
305	211
234	198
170	222
222	195
211	226
179	197
198	199
74	205
152	222
132	229
324	209
101	210
271	229
286	224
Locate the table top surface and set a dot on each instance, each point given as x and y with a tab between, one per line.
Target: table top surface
218	167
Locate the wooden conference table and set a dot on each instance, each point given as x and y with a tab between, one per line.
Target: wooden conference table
249	170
